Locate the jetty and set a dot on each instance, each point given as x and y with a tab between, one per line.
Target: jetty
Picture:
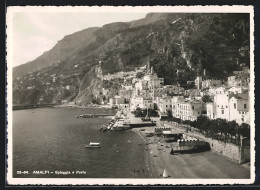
94	115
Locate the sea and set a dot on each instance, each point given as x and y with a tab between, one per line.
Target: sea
50	143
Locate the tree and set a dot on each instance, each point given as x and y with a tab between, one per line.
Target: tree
138	112
139	75
231	130
206	98
200	121
169	113
244	130
33	96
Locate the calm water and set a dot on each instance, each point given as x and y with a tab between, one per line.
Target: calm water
52	139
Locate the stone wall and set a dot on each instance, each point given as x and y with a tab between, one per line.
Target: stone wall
228	150
234	152
245	154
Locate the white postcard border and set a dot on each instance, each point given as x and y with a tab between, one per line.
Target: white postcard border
126	181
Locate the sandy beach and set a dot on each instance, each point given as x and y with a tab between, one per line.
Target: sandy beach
197	165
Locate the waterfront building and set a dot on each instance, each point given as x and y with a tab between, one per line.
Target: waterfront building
211	110
188	109
230	105
141	102
174	101
164	104
119	102
239	108
221	100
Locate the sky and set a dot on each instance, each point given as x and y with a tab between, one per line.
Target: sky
33	33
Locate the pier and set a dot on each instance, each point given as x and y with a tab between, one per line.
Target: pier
94	115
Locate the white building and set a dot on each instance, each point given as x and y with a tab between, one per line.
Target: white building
221	100
192	93
188	109
141	102
211	110
211	83
237	90
239	108
230	105
173	89
164	104
198	82
119	102
174	101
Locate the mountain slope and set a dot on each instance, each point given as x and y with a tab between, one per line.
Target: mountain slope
170	41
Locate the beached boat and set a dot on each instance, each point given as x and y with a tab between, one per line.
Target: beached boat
93	145
165	173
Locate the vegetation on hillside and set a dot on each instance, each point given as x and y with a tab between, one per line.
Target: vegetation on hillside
191	42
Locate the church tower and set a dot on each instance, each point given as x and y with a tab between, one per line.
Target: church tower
152	71
148	67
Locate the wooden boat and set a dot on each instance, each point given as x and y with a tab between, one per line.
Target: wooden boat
165	174
93	145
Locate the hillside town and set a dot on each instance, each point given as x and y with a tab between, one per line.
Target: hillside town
213	98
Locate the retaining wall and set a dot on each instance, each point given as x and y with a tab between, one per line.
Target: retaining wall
234	152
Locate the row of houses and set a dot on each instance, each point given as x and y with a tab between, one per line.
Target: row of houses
230	102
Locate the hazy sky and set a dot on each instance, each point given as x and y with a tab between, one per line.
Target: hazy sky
36	32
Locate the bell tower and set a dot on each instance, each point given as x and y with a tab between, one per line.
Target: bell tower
148	67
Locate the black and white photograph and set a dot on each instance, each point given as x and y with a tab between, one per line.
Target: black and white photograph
130	95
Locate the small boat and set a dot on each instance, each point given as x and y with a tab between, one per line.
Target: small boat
93	145
165	173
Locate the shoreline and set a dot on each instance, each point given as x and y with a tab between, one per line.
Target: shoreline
147	155
151	155
203	165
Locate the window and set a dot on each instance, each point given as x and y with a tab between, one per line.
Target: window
193	107
226	106
244	106
166	106
222	111
218	105
235	106
198	112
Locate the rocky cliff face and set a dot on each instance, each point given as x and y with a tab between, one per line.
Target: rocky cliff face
192	42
